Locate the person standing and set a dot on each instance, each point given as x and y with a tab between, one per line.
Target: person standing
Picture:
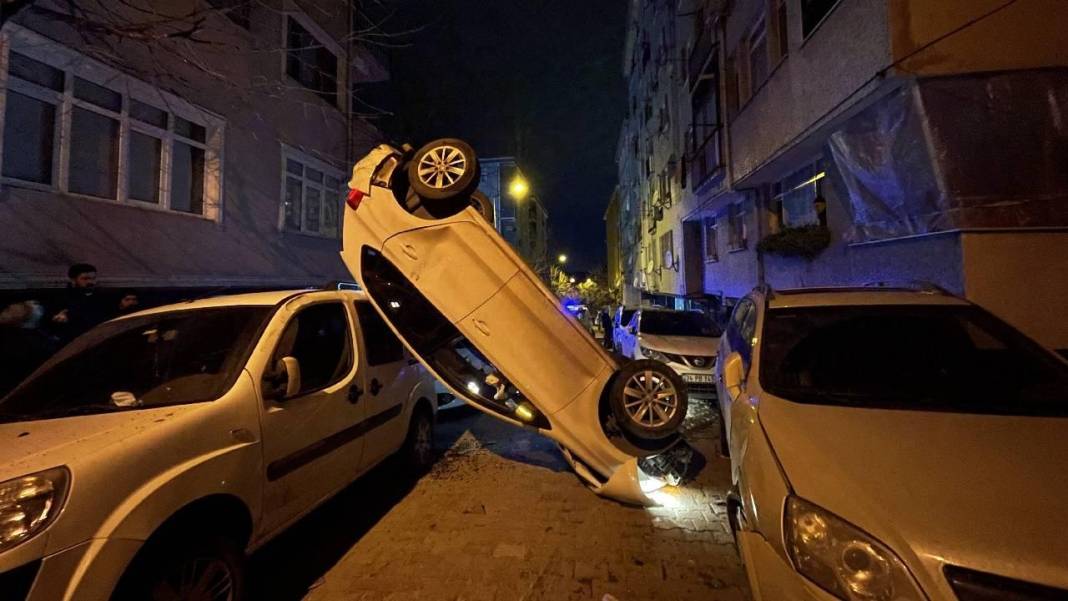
606	326
80	307
23	346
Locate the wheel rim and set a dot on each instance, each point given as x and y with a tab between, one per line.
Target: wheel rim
442	166
200	579
423	442
650	399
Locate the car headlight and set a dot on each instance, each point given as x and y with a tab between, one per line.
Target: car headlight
649	353
30	503
841	559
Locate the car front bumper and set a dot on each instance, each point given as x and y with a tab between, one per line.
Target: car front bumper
771	577
85	572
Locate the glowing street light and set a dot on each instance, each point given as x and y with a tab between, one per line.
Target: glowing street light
561	259
518	188
572	280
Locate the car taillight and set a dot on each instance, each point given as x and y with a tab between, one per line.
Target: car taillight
354	198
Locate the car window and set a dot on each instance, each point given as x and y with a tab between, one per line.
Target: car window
382	346
957	358
735	326
159	359
318	337
678	323
625	316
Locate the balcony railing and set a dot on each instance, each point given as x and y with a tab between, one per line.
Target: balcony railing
705	158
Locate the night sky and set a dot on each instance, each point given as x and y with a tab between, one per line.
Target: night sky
539	79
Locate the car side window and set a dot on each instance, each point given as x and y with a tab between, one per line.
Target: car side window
382	345
736	330
319	338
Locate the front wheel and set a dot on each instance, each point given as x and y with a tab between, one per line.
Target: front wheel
418	450
648	399
207	568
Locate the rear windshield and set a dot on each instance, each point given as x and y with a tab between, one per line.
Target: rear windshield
160	359
677	323
954	358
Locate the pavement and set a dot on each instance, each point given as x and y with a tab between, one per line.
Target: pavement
501	517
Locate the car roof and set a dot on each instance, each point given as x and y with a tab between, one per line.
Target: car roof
250	299
859	296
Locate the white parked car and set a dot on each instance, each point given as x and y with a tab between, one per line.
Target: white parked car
418	239
620	320
152	453
894	444
686	340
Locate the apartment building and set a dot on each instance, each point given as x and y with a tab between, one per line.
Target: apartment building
519	214
209	150
863	141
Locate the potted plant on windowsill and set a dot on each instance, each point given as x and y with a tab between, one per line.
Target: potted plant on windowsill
805	241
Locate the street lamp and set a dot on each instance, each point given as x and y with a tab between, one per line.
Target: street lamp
572	280
518	188
561	259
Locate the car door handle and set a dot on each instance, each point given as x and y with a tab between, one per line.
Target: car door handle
376	387
355	392
409	250
482	327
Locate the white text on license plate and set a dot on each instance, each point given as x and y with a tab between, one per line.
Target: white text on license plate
697	378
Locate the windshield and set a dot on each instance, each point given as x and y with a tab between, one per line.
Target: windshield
159	359
625	315
951	358
677	323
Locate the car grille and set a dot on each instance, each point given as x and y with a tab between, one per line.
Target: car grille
697	361
702	389
970	585
15	584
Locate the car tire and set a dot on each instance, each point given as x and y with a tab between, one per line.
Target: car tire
483	205
179	566
417	453
648	399
444	169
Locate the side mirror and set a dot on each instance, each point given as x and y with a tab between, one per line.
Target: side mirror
284	381
733	376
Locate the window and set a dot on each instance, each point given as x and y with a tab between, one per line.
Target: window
736	227
121	144
667	250
309	62
711	244
758	56
813	13
320	340
382	345
782	29
732	87
238	11
798	198
705	130
311	195
160	359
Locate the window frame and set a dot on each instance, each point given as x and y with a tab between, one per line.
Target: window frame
327	41
75	64
353	348
666	247
709	224
758	31
328	170
737	236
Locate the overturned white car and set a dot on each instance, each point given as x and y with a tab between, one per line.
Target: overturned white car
419	238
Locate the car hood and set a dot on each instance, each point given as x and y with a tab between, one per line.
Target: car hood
981	491
681	345
30	446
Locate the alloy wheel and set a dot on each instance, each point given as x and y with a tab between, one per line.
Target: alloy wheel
199	579
423	441
442	166
650	399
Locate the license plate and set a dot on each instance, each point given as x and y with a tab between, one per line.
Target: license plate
697	378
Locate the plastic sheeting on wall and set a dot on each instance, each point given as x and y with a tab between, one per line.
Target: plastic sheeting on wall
975	151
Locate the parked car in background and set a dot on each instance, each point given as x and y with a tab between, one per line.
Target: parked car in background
419	239
151	454
891	443
686	340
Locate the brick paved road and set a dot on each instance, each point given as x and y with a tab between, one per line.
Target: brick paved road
500	517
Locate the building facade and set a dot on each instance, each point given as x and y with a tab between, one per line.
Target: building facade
518	213
849	142
206	153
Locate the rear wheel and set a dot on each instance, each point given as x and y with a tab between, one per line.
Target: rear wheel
418	450
443	170
648	399
483	205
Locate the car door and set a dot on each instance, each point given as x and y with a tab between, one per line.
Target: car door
387	377
629	336
730	342
312	440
